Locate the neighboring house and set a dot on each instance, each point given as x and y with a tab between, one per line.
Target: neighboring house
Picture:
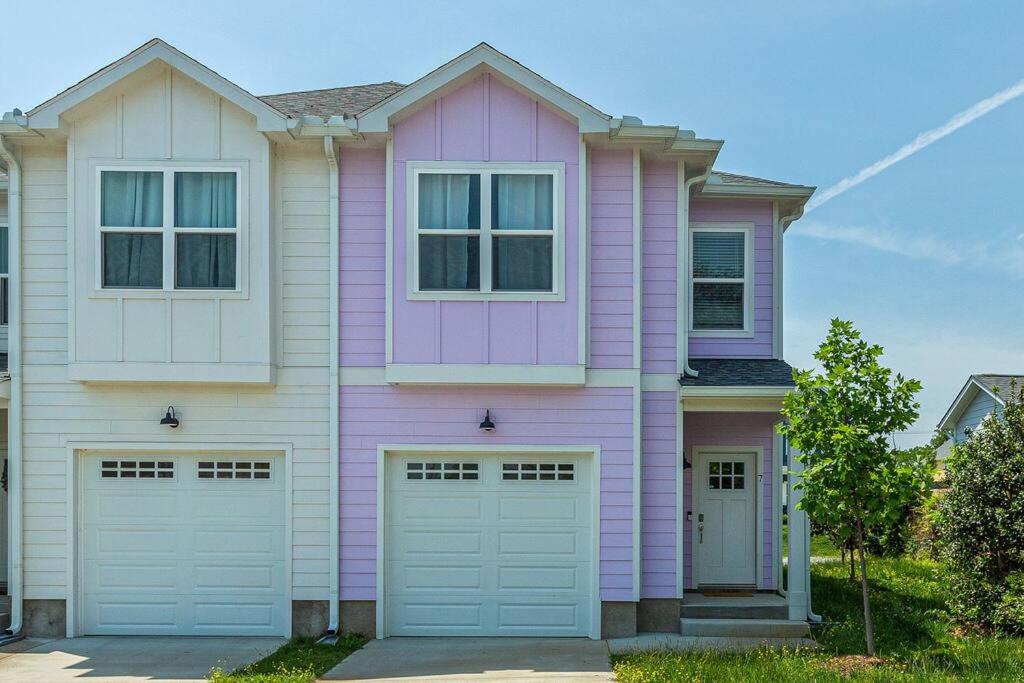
981	396
462	357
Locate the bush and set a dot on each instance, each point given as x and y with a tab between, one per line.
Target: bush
922	530
981	523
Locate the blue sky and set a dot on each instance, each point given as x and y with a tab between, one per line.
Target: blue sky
927	258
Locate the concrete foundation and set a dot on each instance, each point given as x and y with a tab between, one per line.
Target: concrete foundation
45	618
358	616
658	615
618	619
310	617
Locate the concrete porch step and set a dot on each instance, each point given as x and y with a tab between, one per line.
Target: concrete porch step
757	606
5	620
743	628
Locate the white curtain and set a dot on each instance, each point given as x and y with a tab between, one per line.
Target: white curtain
446	201
522	202
205	200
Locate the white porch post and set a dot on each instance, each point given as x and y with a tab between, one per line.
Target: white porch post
799	546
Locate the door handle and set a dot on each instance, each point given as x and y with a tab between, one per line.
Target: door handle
700	528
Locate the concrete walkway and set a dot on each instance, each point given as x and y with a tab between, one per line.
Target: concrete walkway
477	659
128	659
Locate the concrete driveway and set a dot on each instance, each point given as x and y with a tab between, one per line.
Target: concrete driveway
128	658
472	659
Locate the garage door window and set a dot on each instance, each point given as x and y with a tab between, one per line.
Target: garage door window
233	469
537	471
443	471
137	469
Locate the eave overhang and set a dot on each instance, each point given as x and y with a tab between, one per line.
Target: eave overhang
967	394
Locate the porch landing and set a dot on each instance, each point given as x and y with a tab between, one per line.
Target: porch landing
757	616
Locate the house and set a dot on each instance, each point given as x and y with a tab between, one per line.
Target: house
467	356
982	395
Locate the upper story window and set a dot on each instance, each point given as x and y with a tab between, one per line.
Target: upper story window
721	270
486	230
169	229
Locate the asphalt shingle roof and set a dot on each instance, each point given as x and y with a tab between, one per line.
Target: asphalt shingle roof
737	179
346	101
739	372
1001	384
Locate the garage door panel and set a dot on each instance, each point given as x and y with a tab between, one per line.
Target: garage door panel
494	555
531	508
207	560
424	510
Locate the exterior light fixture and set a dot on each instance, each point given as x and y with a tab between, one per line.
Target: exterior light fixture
170	419
487	425
687	464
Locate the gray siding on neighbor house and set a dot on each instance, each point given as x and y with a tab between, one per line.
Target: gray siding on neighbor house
972	416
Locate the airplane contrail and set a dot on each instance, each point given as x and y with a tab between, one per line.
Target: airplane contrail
920	142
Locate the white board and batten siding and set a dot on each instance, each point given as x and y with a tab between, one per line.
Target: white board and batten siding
976	411
153	115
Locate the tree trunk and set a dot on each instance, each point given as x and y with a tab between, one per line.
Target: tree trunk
853	566
869	631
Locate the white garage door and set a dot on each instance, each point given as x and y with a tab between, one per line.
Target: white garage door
183	545
490	545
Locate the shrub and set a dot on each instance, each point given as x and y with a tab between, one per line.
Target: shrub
981	523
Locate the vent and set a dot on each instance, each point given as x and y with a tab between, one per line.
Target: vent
233	469
538	471
451	471
137	469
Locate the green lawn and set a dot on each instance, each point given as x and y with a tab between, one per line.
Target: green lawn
300	660
912	635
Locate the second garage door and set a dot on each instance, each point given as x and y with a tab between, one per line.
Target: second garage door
488	545
183	545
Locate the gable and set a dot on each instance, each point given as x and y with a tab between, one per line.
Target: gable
466	68
48	114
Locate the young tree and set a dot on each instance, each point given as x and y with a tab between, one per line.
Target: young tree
841	420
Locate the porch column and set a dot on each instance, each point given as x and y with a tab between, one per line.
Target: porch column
799	546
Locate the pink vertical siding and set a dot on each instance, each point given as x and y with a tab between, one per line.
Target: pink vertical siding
361	242
372	415
658	496
611	259
659	266
486	120
732	429
760	214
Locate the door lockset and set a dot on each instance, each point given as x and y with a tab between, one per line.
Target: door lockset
700	528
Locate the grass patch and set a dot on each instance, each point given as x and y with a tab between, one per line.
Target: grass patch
914	638
300	660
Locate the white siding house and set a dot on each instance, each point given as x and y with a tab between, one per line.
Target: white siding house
220	525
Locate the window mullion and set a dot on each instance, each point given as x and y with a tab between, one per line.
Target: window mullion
168	230
486	285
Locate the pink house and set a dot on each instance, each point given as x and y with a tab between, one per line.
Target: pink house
560	365
461	357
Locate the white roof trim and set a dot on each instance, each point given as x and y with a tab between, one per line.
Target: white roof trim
376	118
962	400
47	115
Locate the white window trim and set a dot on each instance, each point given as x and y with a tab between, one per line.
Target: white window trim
169	231
748	279
485	170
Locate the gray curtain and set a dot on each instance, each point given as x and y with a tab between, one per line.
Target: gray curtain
521	202
521	263
205	200
132	199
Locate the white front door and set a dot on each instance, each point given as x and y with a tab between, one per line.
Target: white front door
183	545
725	495
488	545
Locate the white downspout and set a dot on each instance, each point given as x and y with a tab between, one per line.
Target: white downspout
682	265
334	387
14	479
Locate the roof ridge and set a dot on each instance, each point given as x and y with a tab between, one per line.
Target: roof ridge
337	87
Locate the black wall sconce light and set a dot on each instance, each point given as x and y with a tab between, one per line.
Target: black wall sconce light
487	425
170	419
687	464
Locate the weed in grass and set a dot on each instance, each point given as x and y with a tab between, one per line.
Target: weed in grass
300	660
